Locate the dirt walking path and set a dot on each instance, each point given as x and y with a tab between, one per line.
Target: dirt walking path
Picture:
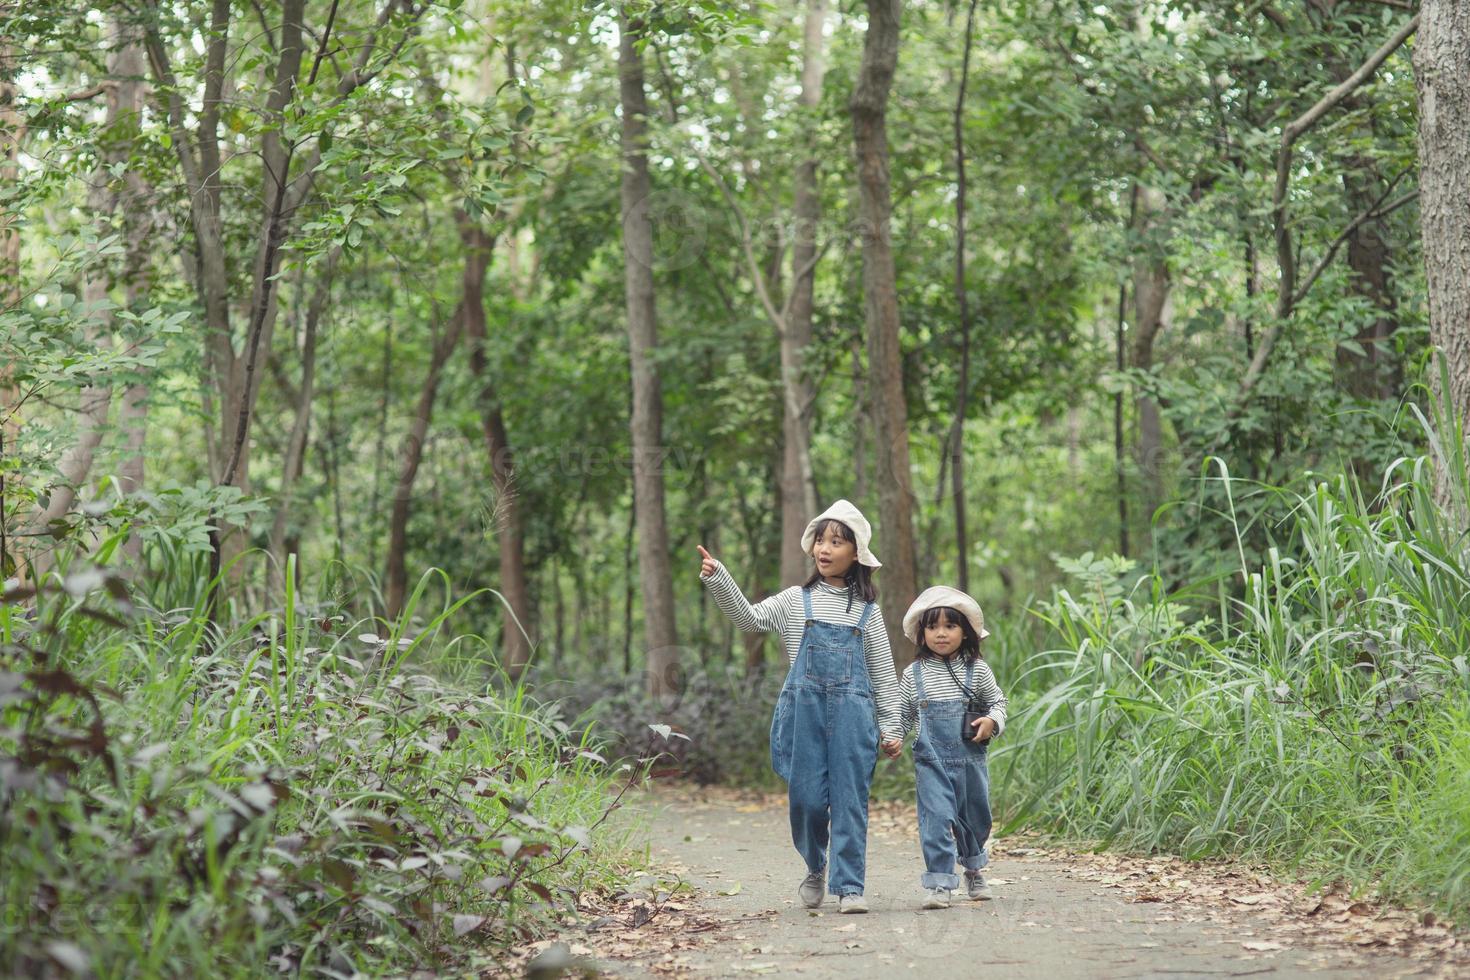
1055	914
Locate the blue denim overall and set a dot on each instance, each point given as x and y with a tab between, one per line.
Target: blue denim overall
824	743
953	780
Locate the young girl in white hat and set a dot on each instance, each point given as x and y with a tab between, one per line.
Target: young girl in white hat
841	691
952	694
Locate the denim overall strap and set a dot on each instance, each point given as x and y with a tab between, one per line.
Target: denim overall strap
919	680
782	733
806	608
824	743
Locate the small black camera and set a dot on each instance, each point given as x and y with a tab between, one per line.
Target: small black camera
974	711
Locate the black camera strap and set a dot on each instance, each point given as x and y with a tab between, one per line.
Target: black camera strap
970	697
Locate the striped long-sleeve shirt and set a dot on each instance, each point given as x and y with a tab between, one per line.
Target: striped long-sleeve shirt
939	686
783	613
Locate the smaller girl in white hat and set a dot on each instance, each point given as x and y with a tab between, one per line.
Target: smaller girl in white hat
952	695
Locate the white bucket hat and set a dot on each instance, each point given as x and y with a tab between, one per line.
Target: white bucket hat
943	595
845	512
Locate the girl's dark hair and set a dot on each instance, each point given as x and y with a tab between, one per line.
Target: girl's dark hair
859	576
969	645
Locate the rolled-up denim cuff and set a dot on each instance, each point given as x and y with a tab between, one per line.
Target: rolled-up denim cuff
976	863
934	879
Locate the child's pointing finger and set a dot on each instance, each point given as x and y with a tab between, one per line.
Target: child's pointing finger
707	563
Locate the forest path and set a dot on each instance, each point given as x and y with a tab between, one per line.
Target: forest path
1055	914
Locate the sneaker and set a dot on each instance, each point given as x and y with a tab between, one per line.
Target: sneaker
813	889
978	888
936	898
852	905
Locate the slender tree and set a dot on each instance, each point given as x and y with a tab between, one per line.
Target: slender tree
798	490
12	129
962	304
1151	285
656	584
123	104
294	462
143	219
869	109
1440	55
507	520
411	454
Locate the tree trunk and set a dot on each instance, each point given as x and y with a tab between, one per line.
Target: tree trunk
123	105
1375	373
962	302
132	471
880	292
199	164
244	377
582	609
1441	53
798	491
380	447
755	654
395	578
1119	468
559	621
294	462
12	131
1151	284
861	420
506	511
142	220
628	542
655	576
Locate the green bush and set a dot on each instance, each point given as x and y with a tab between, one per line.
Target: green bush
300	794
1310	712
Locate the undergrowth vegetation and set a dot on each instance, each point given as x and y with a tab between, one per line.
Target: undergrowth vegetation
297	792
1311	712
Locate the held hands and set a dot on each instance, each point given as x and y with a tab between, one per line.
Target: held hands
708	564
984	728
892	747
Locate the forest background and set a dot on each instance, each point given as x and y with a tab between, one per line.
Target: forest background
388	362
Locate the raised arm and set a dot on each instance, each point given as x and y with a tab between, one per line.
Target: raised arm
766	616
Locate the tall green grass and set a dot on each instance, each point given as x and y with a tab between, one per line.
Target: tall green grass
302	793
1311	712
